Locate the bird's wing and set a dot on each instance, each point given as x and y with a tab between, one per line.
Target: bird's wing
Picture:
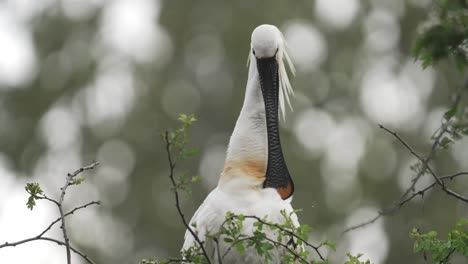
203	222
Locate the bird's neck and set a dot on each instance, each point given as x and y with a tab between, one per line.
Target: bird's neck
247	152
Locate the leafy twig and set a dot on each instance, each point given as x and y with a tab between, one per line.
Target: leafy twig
272	226
168	143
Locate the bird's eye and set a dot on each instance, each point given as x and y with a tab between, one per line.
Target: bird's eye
253	51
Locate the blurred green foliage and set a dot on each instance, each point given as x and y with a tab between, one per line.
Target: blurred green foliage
448	37
442	250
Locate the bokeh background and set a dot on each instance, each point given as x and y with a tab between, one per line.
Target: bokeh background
98	80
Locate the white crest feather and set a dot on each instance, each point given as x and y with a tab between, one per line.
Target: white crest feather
285	89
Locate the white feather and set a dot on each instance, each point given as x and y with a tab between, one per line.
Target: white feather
211	214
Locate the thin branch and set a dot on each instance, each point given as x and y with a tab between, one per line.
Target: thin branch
425	166
437	142
48	199
439	181
442	130
448	256
61	243
41	235
67	214
69	177
80	170
220	259
407	146
62	217
84	256
452	176
176	194
287	248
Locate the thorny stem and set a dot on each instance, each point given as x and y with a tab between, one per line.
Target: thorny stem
176	194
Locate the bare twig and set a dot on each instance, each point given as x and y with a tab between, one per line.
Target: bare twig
59	204
441	132
425	162
41	235
438	134
67	214
176	194
60	243
436	178
425	166
70	176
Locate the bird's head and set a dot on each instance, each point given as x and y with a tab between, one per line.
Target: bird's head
269	47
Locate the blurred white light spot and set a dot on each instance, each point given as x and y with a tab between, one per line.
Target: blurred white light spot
381	160
211	164
343	182
130	26
60	128
26	10
306	45
346	145
460	153
118	154
18	58
180	97
54	165
313	128
112	184
337	13
370	240
112	96
110	236
382	30
417	78
204	54
216	86
18	222
396	7
433	122
388	100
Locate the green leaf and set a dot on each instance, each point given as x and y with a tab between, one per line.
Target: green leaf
35	192
329	244
240	248
76	181
450	113
445	142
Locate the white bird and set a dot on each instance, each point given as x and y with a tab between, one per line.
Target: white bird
255	180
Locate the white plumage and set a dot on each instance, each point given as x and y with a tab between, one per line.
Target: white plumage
240	188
